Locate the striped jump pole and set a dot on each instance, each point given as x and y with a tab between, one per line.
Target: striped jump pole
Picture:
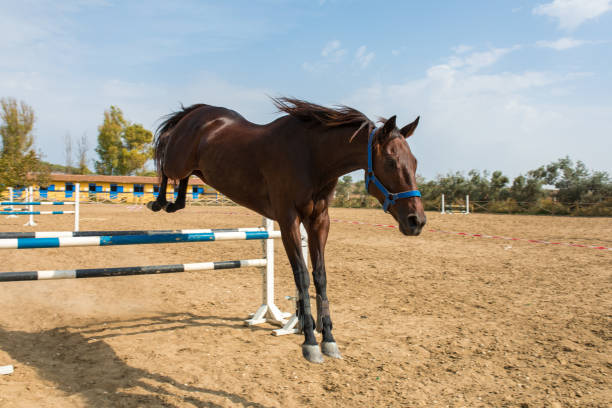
57	234
111	240
127	270
36	213
36	203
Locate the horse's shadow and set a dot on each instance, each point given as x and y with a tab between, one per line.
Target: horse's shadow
78	361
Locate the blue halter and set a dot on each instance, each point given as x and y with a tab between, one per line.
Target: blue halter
390	198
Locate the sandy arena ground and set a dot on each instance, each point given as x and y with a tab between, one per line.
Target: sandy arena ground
435	320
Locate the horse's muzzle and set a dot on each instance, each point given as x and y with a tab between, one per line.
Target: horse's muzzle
412	224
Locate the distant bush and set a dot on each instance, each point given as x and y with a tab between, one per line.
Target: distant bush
577	191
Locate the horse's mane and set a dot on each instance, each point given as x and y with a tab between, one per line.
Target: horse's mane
306	111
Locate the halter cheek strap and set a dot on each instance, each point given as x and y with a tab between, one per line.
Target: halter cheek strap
390	198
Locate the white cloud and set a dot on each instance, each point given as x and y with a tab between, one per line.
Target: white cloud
561	44
572	13
333	50
460	49
491	121
333	54
363	57
478	60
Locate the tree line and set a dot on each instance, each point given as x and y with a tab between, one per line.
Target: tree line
123	148
561	187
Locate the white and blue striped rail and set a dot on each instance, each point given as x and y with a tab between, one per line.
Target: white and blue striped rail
129	270
109	240
53	234
35	212
37	203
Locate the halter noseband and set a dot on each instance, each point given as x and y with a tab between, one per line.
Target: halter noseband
390	198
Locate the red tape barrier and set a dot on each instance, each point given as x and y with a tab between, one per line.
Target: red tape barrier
465	234
468	234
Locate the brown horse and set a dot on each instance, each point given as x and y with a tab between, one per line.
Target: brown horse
287	171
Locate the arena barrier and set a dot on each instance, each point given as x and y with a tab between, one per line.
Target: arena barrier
267	312
11	212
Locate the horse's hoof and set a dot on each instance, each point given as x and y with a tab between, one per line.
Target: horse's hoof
170	208
330	349
312	353
154	206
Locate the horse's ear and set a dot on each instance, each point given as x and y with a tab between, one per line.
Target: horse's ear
389	125
408	130
386	130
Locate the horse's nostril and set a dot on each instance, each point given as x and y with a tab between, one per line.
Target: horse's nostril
413	221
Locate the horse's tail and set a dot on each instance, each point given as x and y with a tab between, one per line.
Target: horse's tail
163	132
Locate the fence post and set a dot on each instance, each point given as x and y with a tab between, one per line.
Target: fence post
11	193
76	206
442	212
467	203
30	197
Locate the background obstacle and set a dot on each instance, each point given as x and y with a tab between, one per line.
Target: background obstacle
449	209
11	212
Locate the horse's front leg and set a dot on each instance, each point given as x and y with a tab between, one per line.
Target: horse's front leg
290	230
318	228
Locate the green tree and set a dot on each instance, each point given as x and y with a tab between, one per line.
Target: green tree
526	189
344	187
16	128
497	189
109	141
123	148
20	165
136	150
574	182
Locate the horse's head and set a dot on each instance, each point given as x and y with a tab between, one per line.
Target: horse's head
391	175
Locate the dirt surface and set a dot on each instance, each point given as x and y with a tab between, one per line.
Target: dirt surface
435	320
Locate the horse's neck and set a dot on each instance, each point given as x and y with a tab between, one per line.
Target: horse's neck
339	155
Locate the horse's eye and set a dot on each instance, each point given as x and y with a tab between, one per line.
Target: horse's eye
390	163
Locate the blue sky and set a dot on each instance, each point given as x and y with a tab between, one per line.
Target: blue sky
499	85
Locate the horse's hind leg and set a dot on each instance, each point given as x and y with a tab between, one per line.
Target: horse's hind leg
179	204
161	201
